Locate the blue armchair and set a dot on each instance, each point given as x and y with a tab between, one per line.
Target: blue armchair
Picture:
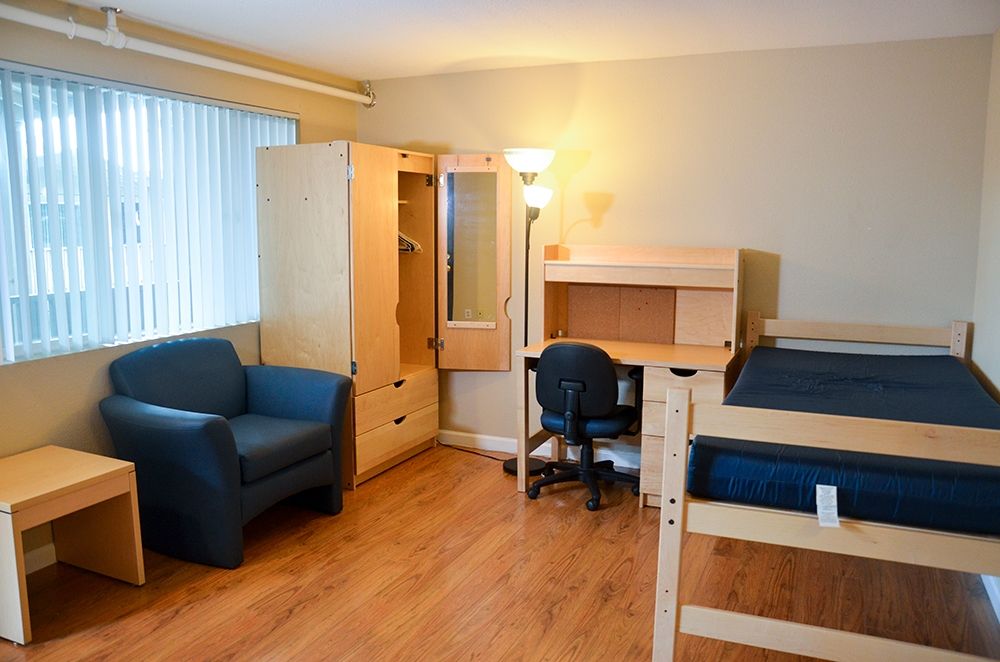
216	443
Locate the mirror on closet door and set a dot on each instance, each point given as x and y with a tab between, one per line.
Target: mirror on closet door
472	249
474	261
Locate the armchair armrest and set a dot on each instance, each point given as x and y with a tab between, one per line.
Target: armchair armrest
188	477
297	393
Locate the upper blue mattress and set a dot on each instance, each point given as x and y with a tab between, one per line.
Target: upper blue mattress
921	493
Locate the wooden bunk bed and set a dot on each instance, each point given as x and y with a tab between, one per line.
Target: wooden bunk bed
682	512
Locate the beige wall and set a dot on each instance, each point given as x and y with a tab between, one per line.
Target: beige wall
986	347
54	400
855	170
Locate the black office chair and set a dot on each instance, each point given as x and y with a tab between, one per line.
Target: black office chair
577	387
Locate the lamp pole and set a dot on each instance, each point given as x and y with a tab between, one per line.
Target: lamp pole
528	162
530	216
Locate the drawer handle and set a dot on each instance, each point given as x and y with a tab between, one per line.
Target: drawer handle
683	372
399	383
400	419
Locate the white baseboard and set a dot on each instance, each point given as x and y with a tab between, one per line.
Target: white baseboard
993	591
622	454
41	557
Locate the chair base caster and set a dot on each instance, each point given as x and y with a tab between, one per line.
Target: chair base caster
593	504
532	492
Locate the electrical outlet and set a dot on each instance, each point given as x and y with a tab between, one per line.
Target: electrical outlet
468	313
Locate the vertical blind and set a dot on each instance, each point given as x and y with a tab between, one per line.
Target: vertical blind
124	215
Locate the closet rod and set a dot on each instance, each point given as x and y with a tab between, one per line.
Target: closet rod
112	36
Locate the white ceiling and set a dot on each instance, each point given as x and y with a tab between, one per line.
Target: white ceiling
377	39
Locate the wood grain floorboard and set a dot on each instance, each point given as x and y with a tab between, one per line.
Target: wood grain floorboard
441	559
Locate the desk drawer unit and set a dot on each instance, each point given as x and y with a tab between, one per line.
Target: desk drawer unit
706	386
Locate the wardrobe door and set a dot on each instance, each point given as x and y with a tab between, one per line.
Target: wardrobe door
374	197
304	248
473	262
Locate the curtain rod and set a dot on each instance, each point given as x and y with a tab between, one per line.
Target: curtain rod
112	36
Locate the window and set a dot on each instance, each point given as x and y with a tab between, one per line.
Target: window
124	214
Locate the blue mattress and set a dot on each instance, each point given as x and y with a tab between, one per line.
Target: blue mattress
921	493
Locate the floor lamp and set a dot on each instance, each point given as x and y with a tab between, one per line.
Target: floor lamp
528	162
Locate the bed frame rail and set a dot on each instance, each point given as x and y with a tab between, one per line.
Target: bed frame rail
955	338
947	443
809	640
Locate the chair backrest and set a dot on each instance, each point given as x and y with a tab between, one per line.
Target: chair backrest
564	363
194	374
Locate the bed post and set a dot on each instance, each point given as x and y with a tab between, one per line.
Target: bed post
672	514
960	340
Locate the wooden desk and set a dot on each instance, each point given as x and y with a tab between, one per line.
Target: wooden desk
713	370
91	502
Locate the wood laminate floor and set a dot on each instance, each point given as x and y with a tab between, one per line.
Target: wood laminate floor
440	559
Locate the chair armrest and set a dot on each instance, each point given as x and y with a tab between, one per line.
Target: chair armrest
171	447
297	393
188	478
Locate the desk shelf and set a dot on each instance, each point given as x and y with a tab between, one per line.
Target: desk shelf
653	294
649	275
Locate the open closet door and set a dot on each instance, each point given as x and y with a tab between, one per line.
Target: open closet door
375	266
473	262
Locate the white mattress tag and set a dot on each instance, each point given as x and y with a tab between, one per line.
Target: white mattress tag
826	505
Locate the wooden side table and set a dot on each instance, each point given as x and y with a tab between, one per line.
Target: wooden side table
91	502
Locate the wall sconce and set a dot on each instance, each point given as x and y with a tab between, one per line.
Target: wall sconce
528	162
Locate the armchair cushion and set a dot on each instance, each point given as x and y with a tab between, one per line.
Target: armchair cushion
266	445
193	374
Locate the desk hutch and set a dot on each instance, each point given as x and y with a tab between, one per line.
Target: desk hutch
673	311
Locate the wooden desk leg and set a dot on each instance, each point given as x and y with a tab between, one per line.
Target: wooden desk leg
104	538
14	622
521	370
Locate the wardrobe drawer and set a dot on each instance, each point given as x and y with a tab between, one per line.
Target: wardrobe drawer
386	441
383	405
705	385
651	465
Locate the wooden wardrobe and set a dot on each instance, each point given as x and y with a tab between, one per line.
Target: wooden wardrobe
339	293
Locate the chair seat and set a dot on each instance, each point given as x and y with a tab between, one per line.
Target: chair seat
593	428
266	444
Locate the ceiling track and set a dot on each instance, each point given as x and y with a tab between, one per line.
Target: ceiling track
112	37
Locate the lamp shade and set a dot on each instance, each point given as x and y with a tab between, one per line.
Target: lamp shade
537	196
529	159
